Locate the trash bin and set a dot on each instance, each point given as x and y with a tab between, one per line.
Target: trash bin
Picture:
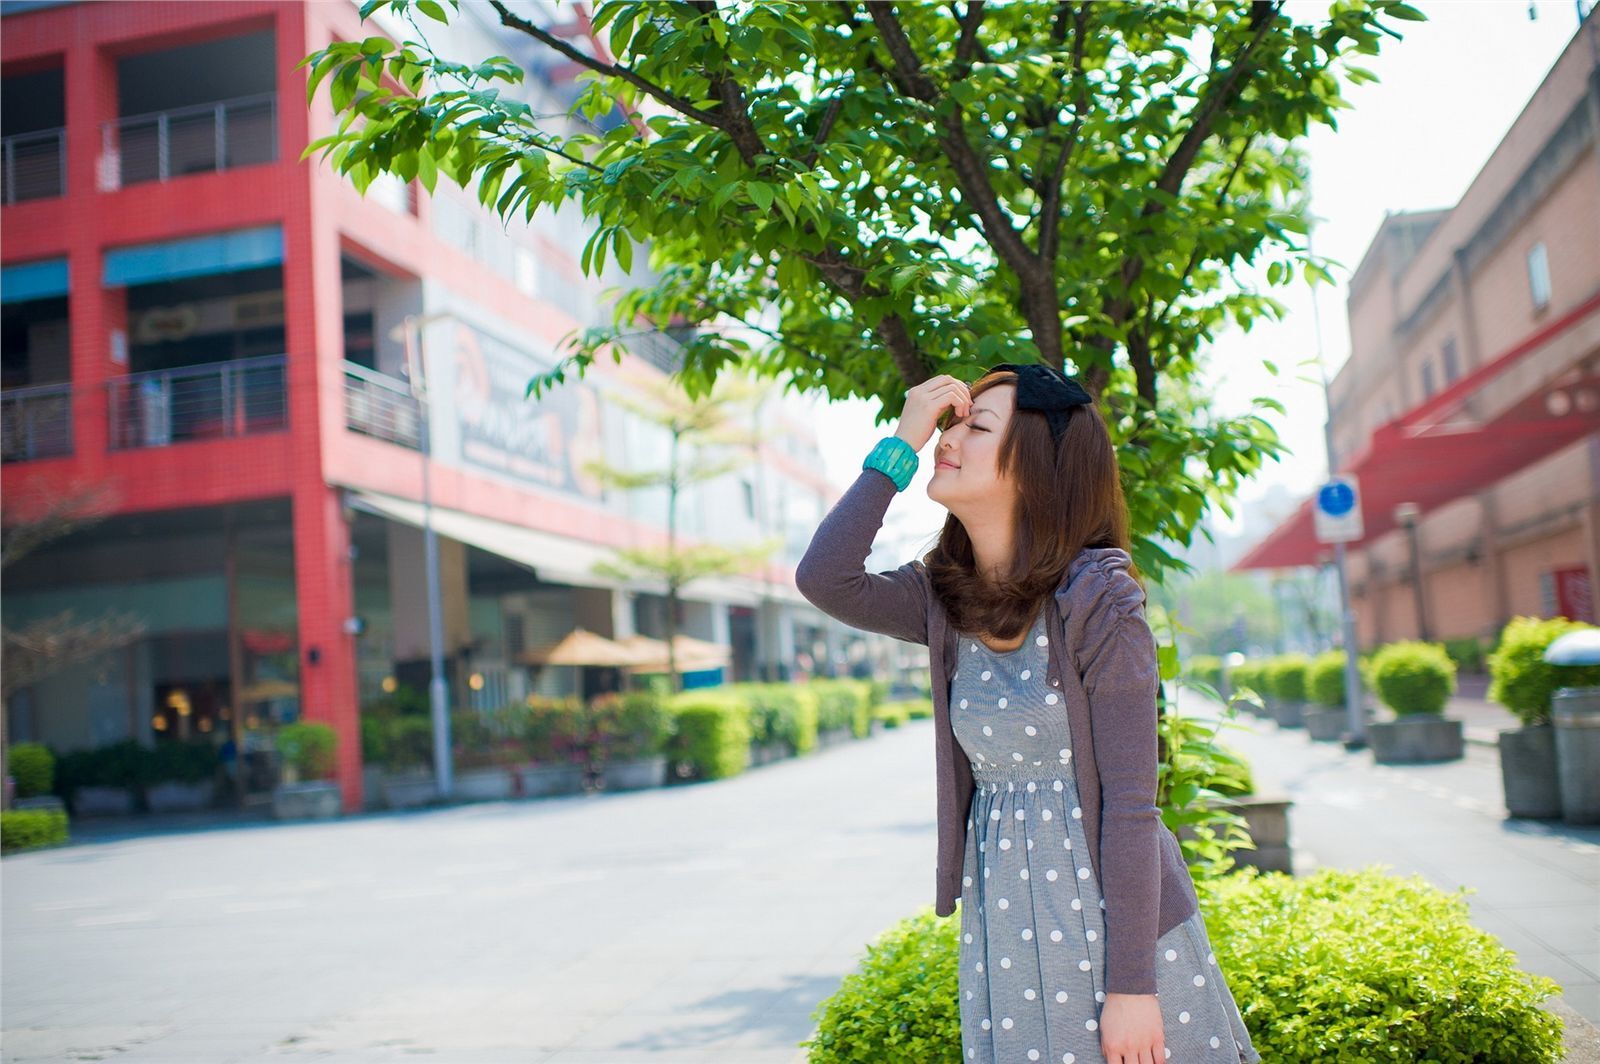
1575	713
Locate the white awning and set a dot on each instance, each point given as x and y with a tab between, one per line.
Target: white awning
557	559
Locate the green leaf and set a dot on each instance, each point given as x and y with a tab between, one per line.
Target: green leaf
432	9
760	194
1407	12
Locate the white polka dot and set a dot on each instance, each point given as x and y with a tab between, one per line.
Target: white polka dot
1024	873
1046	814
1099	995
1061	996
1066	755
966	881
1050	874
1214	1042
1006	1023
1083	873
1102	903
994	814
1090	934
1032	786
985	873
986	729
971	1053
1211	957
1091	1024
1059	784
1069	1058
1021	813
1067	843
1005	844
1055	936
1027	934
1084	964
1028	993
1030	844
1042	641
1077	812
1033	1054
1026	673
1003	903
1183	1017
969	936
1031	730
980	966
1016	756
1172	954
984	1024
1199	980
963	703
1005	962
974	646
1001	703
1166	1053
1076	904
985	674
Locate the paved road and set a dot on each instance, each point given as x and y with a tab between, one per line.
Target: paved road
700	923
1537	883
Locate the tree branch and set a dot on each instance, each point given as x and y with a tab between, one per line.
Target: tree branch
1050	209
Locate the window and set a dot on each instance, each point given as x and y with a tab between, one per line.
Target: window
1539	276
1452	369
1427	379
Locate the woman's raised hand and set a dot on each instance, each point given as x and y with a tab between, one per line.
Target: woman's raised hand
926	402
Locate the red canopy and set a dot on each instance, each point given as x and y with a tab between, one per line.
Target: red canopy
1440	451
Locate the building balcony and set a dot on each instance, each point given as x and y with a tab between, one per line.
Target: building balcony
36	422
381	406
33	166
204	138
219	400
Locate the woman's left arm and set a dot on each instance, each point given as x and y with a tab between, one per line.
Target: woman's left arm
1122	677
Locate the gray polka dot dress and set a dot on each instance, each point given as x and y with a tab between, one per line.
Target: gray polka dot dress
1032	919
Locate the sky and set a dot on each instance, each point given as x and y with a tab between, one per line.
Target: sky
1413	140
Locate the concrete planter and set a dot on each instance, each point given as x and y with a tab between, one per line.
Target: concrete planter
1575	715
635	773
486	783
409	789
308	799
96	800
1528	772
372	786
874	726
766	753
1324	724
1415	738
539	781
1267	819
833	737
176	796
1288	714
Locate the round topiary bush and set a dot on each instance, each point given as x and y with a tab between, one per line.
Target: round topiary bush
1286	676
1325	678
1519	677
309	746
1413	677
33	766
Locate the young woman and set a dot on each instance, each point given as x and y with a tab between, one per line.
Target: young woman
1081	935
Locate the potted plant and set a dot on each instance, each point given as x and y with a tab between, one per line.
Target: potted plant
33	768
1326	715
629	732
308	789
487	753
1286	676
181	776
103	781
1415	680
552	735
1575	716
408	764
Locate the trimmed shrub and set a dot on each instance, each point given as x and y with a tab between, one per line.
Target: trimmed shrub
779	712
711	734
1362	966
181	762
1246	677
628	725
843	704
901	1005
1413	677
1325	679
28	829
894	714
33	766
553	729
1358	967
119	764
1207	668
1467	653
1286	677
309	746
1520	678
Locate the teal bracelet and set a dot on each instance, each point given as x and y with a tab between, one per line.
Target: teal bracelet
894	458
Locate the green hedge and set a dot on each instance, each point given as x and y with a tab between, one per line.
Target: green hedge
33	766
1362	966
894	714
1325	679
779	712
310	746
27	829
1357	967
1519	677
711	733
844	703
1468	654
1207	668
1412	677
1286	677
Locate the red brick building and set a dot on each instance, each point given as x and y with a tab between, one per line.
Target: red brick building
214	333
1472	390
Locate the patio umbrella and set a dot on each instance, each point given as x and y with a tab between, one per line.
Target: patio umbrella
578	648
693	654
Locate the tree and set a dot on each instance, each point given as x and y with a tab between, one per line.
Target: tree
912	189
696	426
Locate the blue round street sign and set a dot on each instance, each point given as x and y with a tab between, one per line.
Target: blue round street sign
1336	499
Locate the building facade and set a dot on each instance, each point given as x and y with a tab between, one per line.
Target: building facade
1469	408
213	346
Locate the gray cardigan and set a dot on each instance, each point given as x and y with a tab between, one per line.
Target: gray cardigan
1111	711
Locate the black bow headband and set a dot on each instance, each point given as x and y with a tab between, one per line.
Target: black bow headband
1047	389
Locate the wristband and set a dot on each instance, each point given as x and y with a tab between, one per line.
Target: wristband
894	458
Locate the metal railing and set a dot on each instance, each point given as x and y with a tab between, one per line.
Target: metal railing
381	406
36	422
33	165
187	140
213	401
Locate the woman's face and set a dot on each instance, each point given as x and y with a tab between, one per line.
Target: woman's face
966	478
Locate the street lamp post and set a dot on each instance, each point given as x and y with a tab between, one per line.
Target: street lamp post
1406	514
410	331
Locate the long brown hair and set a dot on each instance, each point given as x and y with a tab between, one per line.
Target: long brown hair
1069	498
